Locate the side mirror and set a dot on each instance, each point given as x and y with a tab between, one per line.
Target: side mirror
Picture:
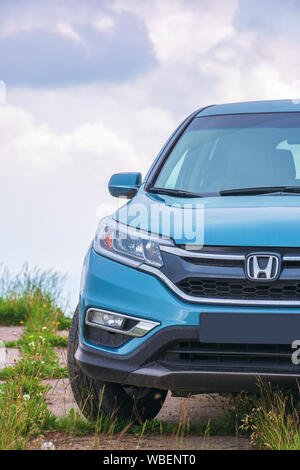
124	184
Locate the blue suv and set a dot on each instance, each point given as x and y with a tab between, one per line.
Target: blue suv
194	284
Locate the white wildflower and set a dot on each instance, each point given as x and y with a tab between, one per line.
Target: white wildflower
48	446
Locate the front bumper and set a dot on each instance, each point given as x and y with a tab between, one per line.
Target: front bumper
143	368
113	286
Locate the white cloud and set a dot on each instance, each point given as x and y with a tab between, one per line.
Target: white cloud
66	30
183	37
104	23
205	59
183	31
32	149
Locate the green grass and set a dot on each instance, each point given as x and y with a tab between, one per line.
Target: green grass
38	357
273	422
270	418
31	294
23	411
75	424
31	300
53	340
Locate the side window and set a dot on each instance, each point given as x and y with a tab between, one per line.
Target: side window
295	149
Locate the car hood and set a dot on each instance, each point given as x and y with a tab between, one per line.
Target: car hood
262	221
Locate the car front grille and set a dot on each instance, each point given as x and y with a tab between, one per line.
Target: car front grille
220	272
255	358
240	289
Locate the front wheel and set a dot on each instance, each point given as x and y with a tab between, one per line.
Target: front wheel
95	398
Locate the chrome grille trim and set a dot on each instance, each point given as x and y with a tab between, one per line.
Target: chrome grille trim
173	250
291	258
216	301
196	254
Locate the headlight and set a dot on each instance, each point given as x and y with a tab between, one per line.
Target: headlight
123	243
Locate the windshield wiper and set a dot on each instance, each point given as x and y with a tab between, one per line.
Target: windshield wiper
174	192
260	190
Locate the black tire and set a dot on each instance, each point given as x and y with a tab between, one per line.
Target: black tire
95	398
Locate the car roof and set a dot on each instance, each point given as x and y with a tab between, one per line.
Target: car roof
274	106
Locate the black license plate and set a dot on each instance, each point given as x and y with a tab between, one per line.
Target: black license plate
256	328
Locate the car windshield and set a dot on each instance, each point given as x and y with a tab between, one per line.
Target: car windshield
227	152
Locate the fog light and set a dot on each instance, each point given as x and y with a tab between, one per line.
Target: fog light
110	320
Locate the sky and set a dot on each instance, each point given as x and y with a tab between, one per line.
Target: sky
95	87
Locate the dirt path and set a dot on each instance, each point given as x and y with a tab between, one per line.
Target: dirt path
199	408
149	442
11	333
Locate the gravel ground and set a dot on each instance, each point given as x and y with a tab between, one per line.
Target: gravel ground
62	353
11	333
149	442
12	356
